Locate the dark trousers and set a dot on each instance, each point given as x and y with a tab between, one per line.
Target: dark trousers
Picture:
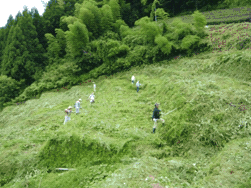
137	89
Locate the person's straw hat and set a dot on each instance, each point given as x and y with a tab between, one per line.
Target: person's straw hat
69	107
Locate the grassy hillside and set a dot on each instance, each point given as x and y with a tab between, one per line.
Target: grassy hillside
110	144
219	16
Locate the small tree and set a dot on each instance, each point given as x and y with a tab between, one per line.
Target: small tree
161	14
9	89
199	22
107	18
163	44
115	7
155	2
77	38
148	29
181	29
189	43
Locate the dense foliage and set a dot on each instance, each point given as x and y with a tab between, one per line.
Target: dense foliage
81	35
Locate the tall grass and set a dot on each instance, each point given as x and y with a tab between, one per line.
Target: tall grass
110	144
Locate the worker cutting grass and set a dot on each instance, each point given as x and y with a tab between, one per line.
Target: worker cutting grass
92	98
156	117
133	79
68	112
137	85
77	106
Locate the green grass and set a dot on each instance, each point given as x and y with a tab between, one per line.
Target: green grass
219	16
110	144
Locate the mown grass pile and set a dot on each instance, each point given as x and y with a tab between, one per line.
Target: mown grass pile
110	144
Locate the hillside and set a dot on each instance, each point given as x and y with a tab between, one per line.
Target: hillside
219	16
110	144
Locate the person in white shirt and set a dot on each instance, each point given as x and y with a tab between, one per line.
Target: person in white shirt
94	86
91	97
77	106
137	85
68	112
133	78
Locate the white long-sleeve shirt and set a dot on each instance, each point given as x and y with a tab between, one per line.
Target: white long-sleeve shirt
78	104
133	78
138	84
92	97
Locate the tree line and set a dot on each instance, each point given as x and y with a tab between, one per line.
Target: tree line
38	53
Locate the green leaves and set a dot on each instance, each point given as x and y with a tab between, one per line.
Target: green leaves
77	38
9	88
53	48
161	14
163	44
181	29
23	53
88	18
189	42
199	20
115	8
69	20
148	29
56	46
107	18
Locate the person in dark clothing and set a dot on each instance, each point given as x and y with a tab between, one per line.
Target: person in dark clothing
156	116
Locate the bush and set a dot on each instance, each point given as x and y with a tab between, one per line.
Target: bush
163	44
118	24
148	29
124	31
31	90
181	30
199	22
189	43
136	56
9	89
110	35
134	40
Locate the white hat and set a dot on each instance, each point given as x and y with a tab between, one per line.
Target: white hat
69	107
79	99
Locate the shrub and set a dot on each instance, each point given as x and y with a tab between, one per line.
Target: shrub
189	43
118	24
136	56
199	22
181	30
148	29
163	44
124	31
9	88
77	38
134	40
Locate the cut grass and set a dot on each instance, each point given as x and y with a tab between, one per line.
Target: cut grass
219	16
202	131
